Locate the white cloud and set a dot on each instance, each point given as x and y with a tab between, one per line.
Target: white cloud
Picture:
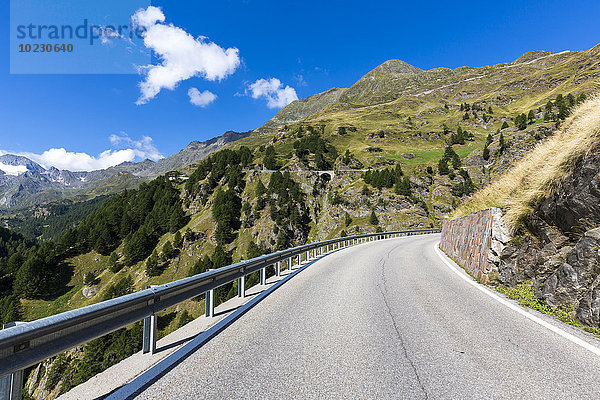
72	161
182	56
201	99
126	150
143	148
274	92
148	17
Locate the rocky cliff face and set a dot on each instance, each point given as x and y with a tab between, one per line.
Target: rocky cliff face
560	251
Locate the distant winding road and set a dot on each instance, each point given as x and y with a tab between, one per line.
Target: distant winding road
384	320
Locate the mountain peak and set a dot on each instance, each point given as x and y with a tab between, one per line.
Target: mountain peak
15	165
397	67
532	55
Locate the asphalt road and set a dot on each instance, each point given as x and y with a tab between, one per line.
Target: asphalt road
383	320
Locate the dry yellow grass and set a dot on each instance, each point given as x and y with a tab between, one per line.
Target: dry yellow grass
537	176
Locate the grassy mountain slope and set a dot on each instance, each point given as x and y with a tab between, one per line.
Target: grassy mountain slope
385	99
305	174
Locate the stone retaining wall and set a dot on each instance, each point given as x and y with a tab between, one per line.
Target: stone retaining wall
476	241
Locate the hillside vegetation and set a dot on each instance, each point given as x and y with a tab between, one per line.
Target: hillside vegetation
401	110
400	149
537	176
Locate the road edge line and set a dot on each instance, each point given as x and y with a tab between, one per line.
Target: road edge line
523	311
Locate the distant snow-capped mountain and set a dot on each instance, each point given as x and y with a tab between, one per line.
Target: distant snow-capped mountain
24	182
17	165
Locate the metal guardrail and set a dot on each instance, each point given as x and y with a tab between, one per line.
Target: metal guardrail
30	343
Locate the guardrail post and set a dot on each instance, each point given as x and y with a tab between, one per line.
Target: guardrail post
241	283
209	303
278	268
307	255
149	332
11	385
149	337
263	276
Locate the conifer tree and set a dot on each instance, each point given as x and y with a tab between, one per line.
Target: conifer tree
10	309
373	218
403	187
189	235
261	190
220	258
168	251
443	167
202	265
177	240
89	278
521	122
269	159
152	266
347	219
486	153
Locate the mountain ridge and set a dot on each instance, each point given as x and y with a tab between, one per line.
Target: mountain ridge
35	184
406	147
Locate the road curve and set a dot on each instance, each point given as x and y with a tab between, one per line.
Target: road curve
383	320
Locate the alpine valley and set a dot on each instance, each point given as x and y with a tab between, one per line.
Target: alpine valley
401	148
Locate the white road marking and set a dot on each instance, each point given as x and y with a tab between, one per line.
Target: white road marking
522	311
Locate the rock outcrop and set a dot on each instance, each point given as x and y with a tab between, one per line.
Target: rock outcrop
558	250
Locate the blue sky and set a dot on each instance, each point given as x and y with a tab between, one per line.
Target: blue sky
309	46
